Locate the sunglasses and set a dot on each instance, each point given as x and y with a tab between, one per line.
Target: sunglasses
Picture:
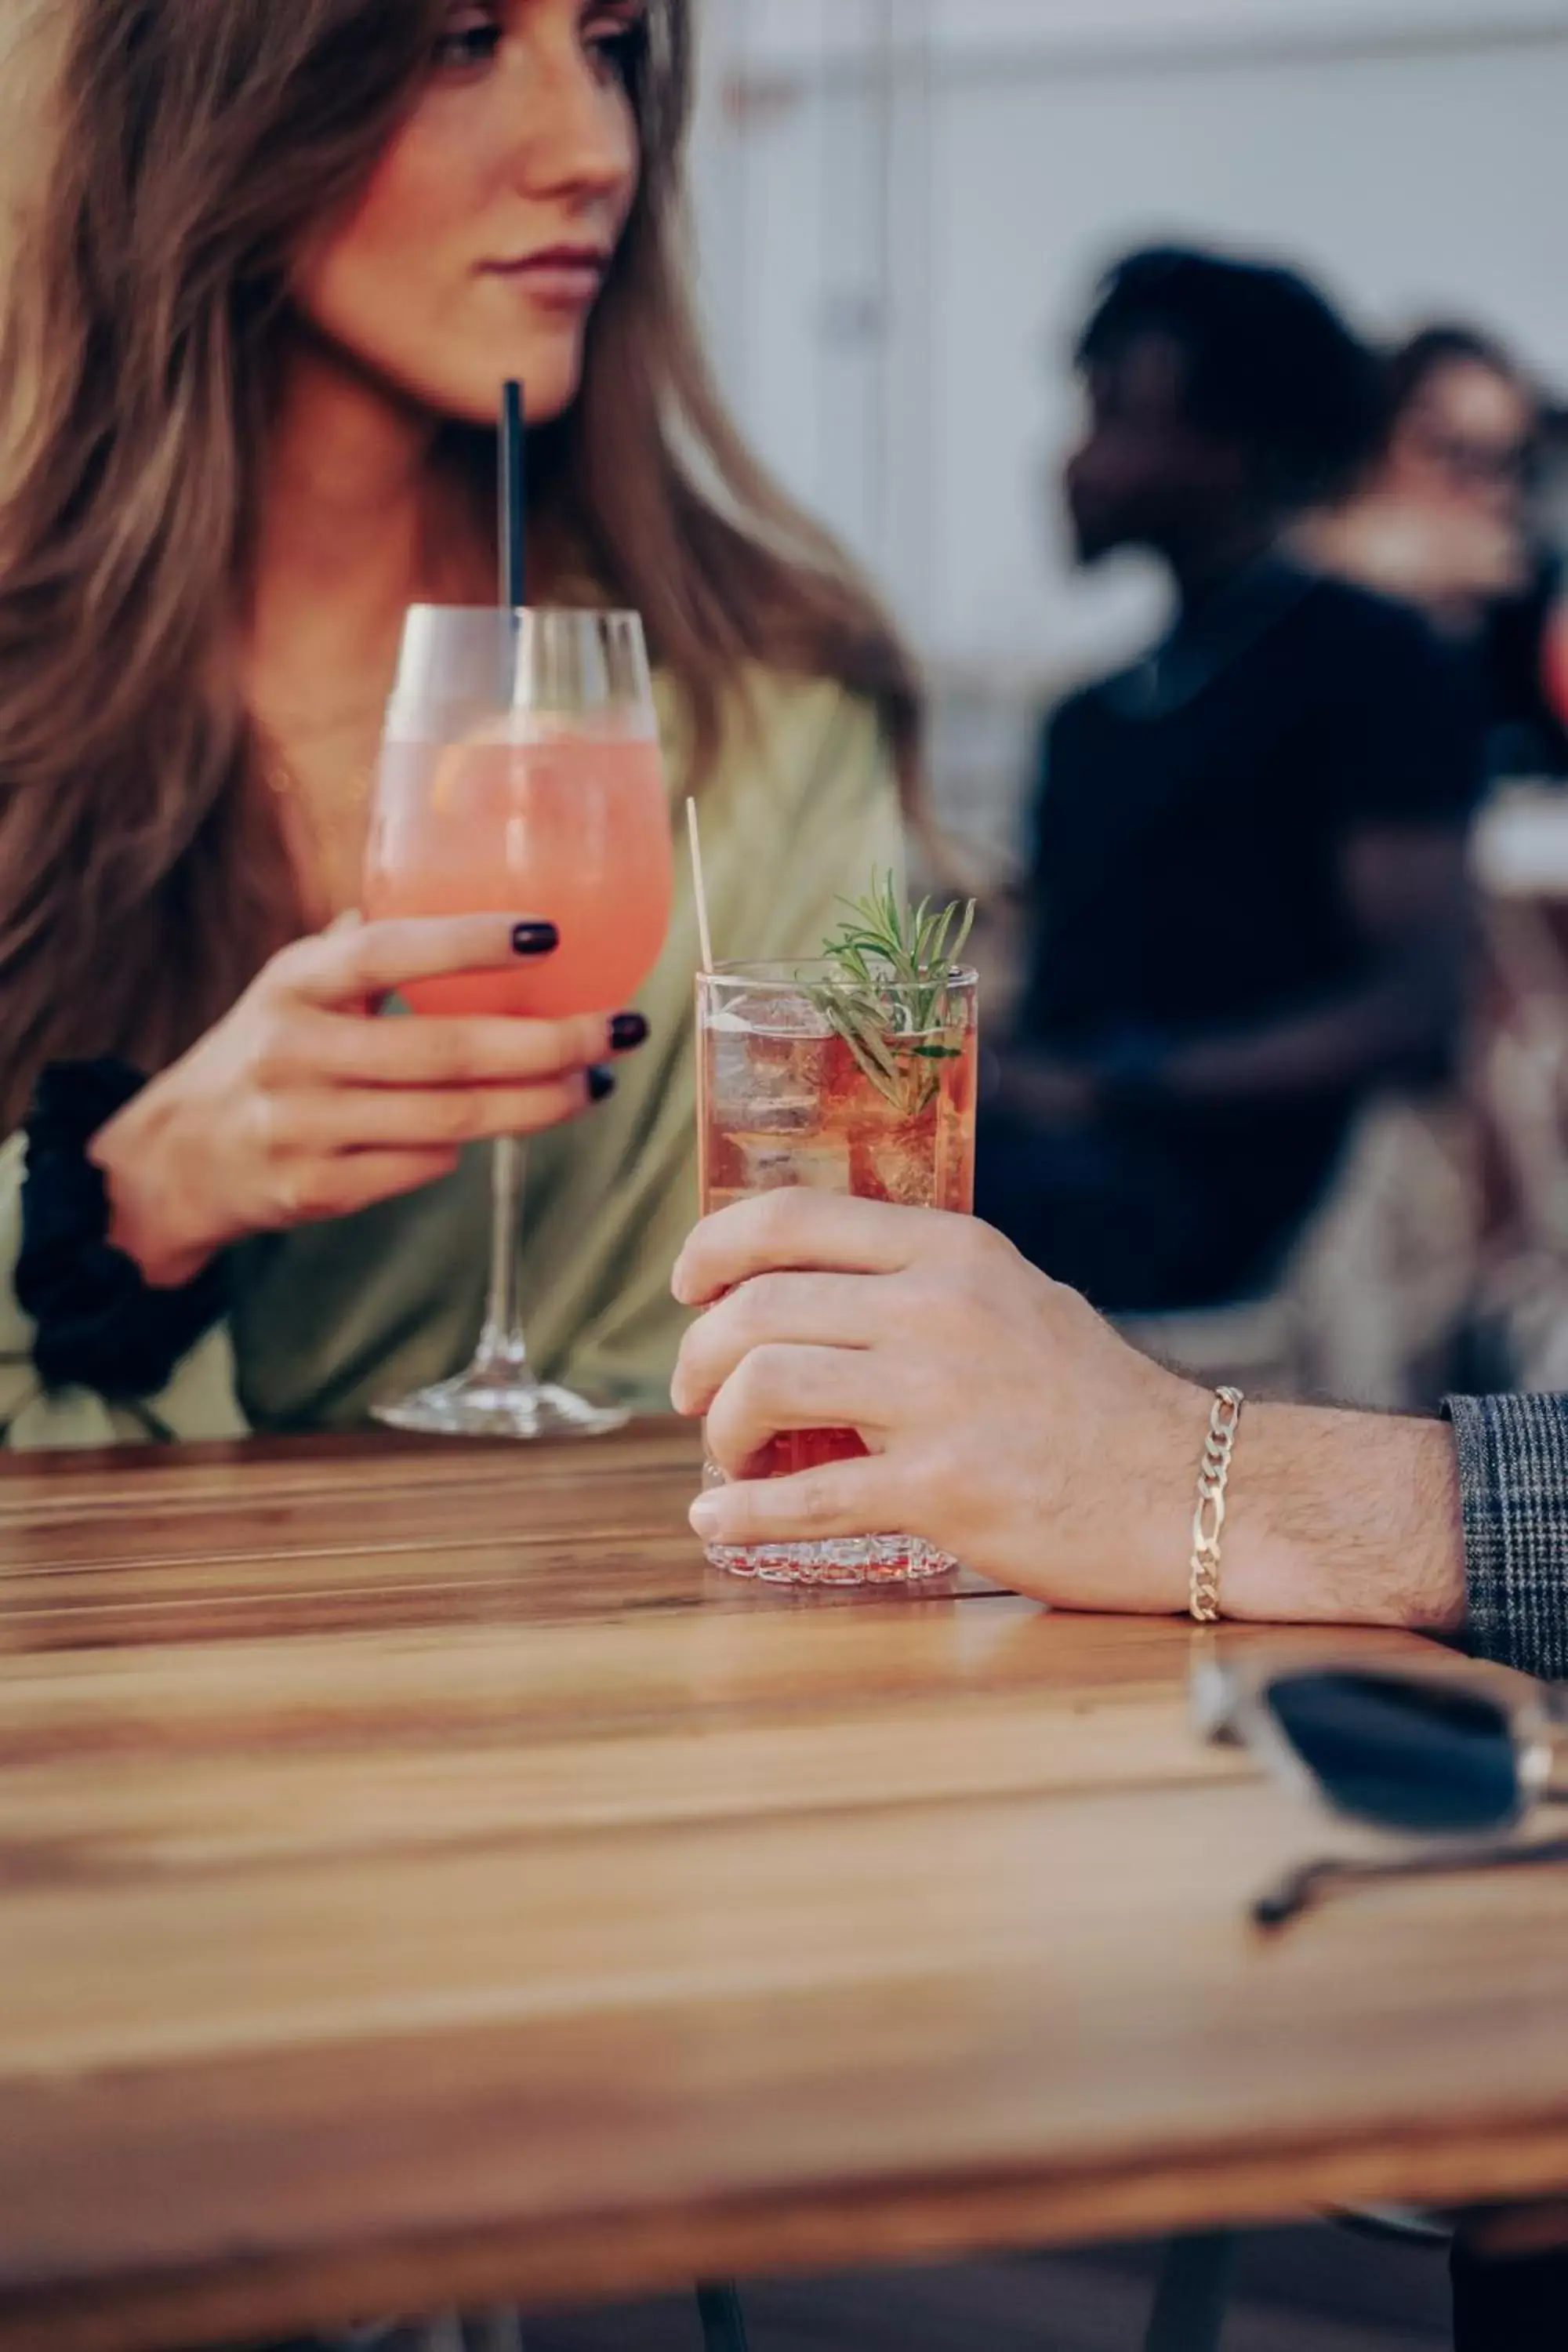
1450	1773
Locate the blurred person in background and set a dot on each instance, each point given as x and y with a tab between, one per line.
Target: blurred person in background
265	271
1446	519
1552	523
1249	899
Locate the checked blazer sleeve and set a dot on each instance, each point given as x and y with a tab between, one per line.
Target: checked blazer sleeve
1513	1472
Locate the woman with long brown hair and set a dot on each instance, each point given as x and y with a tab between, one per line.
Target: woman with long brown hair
265	270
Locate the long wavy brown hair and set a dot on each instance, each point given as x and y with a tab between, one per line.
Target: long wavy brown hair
160	163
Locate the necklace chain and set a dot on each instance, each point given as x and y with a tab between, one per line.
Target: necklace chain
335	826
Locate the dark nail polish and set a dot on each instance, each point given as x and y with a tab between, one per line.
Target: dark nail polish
601	1084
535	940
628	1032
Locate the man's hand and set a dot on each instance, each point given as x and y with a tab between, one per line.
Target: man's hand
1007	1423
1009	1426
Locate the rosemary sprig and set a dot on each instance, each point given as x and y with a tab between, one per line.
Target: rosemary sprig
889	996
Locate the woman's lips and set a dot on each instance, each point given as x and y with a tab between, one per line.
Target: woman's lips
566	279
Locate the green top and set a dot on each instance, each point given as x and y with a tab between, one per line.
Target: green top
329	1320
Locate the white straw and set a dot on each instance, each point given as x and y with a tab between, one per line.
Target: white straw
703	932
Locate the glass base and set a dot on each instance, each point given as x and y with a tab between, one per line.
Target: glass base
898	1560
484	1403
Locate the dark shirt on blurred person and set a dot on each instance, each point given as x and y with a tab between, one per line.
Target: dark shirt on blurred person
1194	818
1249	898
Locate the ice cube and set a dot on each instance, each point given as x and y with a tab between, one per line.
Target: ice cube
903	1167
773	1163
780	1016
777	1092
769	1078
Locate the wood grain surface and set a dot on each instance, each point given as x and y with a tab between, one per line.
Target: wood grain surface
422	1881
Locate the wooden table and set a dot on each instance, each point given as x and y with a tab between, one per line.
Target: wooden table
421	1882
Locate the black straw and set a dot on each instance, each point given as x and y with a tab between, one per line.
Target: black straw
513	500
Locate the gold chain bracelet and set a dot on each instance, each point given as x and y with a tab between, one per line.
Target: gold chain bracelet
1208	1519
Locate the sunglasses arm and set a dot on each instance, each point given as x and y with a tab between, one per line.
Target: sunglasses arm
1299	1889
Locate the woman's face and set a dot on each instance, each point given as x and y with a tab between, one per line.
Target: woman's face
480	245
1467	439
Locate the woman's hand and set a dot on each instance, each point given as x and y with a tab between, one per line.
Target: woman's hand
300	1106
1007	1423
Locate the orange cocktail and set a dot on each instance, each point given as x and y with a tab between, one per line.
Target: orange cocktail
568	824
796	1088
520	775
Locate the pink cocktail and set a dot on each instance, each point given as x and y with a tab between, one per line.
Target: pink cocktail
572	829
520	775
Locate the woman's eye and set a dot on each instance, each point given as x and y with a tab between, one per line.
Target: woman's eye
471	40
612	39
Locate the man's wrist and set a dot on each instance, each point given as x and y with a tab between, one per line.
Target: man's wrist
1344	1518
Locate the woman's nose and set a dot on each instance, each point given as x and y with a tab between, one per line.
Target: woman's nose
574	136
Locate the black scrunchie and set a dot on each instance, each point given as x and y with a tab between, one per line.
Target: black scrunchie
100	1325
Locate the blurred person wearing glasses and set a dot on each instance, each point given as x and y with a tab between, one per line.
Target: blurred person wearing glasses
1446	519
1248	896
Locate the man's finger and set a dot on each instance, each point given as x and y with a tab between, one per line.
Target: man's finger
848	1499
798	1230
822	1310
780	1389
344	966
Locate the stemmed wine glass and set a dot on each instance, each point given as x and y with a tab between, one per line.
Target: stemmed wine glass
520	774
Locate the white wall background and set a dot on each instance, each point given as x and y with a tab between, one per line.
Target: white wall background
904	204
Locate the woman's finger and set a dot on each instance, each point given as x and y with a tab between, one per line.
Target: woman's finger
780	1389
344	967
432	1119
800	1229
310	1192
822	1310
849	1499
440	1052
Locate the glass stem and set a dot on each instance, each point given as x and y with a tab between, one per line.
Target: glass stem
504	1345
